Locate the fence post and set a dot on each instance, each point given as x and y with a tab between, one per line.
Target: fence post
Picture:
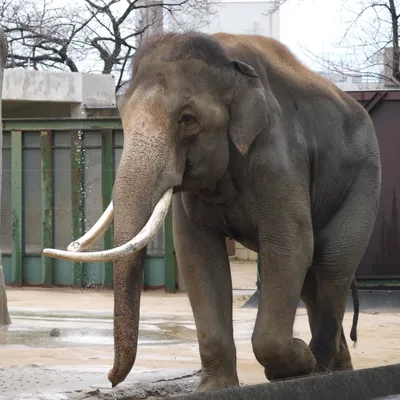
16	207
169	254
77	200
106	191
46	165
4	314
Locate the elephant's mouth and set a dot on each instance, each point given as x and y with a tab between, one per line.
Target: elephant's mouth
75	252
178	189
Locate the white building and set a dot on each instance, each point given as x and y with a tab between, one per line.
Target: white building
231	16
358	82
381	78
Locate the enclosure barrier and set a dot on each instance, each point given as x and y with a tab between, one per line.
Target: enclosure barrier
365	384
58	176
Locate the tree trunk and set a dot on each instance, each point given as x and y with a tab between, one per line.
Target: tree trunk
395	41
4	316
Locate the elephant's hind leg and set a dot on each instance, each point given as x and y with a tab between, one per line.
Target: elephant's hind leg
309	297
343	357
339	247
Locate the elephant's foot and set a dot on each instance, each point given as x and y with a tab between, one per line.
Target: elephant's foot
343	359
341	362
340	366
215	382
285	360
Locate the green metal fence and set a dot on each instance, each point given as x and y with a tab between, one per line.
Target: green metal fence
57	180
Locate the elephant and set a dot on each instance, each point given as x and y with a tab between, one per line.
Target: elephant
248	143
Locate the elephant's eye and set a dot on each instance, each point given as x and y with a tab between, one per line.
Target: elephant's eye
187	119
189	125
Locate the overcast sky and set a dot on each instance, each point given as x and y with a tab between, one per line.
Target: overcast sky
314	24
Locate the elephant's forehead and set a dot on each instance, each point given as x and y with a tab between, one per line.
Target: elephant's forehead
146	109
147	96
178	76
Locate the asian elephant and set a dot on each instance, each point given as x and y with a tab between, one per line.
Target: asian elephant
255	146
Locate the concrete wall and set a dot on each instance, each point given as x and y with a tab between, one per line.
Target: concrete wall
242	253
46	94
27	85
98	90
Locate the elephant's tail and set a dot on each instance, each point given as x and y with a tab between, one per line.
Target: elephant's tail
356	306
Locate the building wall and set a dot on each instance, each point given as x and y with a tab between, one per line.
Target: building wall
49	94
242	253
358	83
244	18
42	109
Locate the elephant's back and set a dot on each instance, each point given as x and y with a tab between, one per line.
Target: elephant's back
290	80
275	57
274	62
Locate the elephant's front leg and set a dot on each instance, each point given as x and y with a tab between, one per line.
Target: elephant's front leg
286	253
203	261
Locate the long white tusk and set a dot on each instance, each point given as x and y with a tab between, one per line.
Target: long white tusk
138	242
94	232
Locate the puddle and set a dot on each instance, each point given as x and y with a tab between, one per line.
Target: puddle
39	331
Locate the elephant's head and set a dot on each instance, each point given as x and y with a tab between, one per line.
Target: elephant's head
188	105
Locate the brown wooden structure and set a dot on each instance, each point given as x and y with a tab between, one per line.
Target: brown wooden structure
381	260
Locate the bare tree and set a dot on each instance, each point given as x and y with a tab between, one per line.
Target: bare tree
369	45
82	35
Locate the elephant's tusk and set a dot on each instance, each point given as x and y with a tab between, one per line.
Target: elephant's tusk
138	242
94	232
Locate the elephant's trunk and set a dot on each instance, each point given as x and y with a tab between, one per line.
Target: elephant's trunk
127	287
140	182
148	170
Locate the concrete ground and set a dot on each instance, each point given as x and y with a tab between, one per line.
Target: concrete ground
74	365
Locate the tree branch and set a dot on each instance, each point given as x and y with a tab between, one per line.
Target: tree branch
395	44
75	37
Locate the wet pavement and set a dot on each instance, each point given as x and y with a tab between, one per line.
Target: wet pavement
36	382
83	334
60	345
66	354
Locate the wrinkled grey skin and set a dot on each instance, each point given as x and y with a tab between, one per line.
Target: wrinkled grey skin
261	149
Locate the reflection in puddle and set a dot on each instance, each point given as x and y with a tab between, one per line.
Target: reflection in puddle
36	332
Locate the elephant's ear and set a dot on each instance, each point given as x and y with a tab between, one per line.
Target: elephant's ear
249	108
